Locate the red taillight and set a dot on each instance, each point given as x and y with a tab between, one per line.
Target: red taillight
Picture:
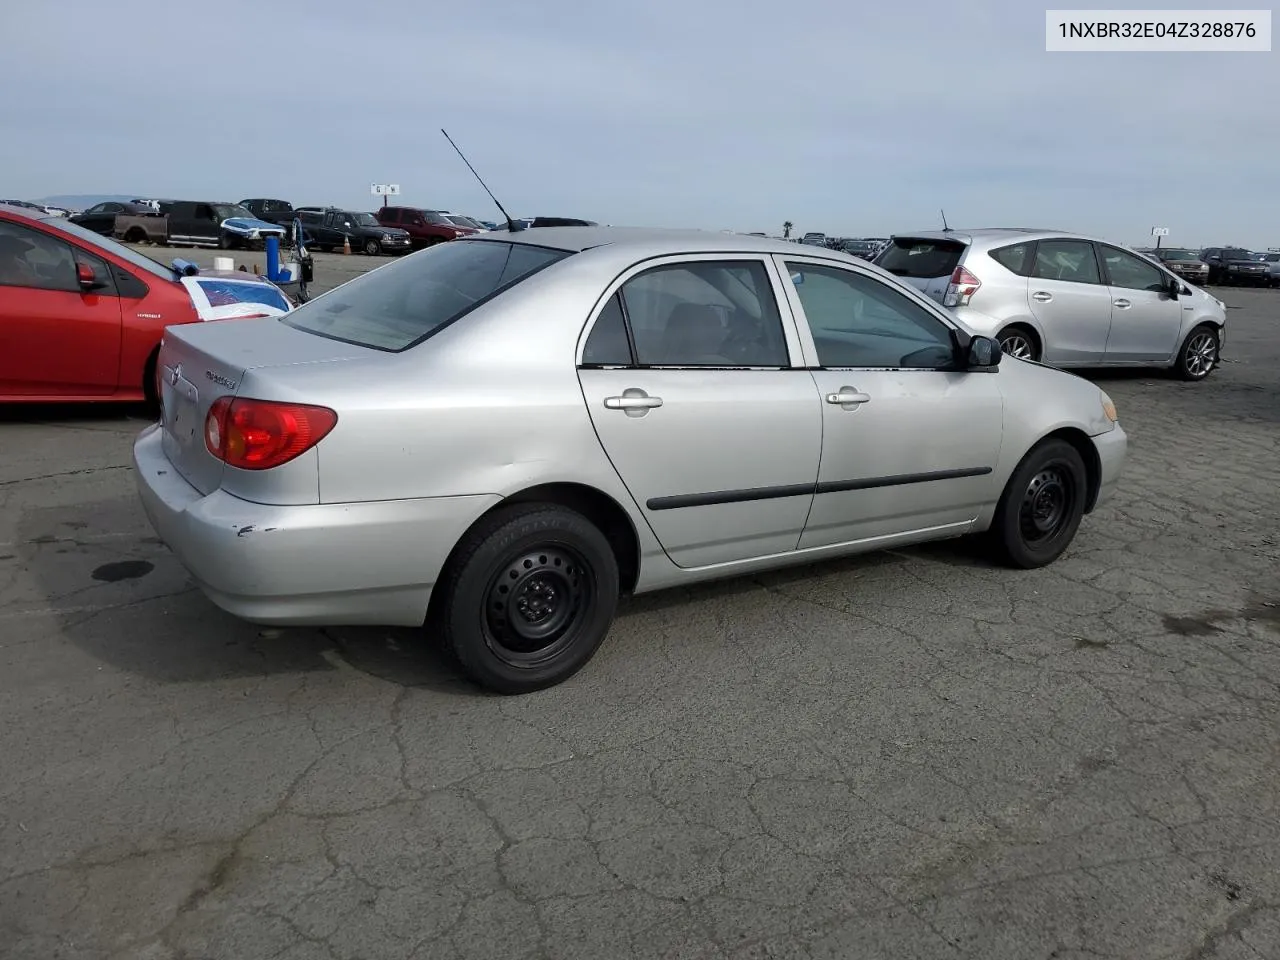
961	289
261	434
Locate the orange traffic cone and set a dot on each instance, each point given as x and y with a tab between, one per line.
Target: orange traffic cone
346	244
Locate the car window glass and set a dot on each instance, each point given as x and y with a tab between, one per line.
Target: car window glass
1015	257
401	304
720	314
607	343
97	208
1070	260
858	321
1126	270
29	258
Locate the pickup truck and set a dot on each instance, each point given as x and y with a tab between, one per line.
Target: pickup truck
197	224
328	227
273	211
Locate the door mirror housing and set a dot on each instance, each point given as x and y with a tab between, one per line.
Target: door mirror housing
983	354
1174	288
88	278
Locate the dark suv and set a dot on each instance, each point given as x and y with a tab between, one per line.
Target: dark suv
1235	265
329	227
425	227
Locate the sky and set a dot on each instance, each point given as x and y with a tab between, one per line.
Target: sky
852	118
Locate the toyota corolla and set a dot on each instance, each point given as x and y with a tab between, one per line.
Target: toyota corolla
498	437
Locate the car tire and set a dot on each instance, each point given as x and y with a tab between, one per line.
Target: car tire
150	384
1198	356
372	247
528	597
1019	341
1041	507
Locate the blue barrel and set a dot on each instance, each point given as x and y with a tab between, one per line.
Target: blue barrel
273	257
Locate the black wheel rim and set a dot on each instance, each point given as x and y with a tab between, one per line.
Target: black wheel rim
1048	503
535	603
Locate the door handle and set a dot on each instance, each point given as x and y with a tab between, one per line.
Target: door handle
633	402
1042	296
1122	304
847	396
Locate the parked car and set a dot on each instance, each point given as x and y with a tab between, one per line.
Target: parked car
863	249
425	227
814	239
101	217
330	227
196	223
1184	263
462	221
83	315
272	211
409	447
1272	260
1235	266
1064	299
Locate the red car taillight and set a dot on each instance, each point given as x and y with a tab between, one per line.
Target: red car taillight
261	434
961	289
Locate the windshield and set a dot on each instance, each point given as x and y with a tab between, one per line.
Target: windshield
1236	253
458	221
365	220
1178	255
400	305
111	246
225	211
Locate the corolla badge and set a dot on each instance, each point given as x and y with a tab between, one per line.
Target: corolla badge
220	380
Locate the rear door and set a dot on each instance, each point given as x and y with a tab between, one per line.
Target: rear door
1145	317
925	263
56	339
1070	301
182	222
698	394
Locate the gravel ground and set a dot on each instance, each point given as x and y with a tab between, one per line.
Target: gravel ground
908	754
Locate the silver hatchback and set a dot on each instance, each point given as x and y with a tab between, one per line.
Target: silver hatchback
1065	299
502	435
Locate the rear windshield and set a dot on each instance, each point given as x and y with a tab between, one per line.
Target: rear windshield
399	305
224	293
925	259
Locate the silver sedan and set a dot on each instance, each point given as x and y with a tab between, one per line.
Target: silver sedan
499	437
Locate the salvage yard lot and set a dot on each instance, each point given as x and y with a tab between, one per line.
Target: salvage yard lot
911	754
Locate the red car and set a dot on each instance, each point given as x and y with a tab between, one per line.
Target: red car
81	315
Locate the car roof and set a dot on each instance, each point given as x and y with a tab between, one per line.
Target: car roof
978	235
25	212
646	240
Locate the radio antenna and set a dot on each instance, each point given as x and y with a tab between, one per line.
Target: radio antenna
511	224
945	228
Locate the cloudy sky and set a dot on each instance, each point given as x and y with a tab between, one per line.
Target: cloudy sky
841	116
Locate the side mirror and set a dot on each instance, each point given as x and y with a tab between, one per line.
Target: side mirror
347	224
983	354
1175	288
87	278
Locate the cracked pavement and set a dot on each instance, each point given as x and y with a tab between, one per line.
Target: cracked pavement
907	754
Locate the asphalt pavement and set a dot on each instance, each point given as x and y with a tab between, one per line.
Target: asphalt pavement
905	755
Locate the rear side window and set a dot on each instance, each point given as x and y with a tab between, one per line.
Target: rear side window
1015	257
919	258
400	305
223	293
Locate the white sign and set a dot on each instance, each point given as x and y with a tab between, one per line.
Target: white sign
1159	231
385	189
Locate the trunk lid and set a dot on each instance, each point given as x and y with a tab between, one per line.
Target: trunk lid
924	262
200	362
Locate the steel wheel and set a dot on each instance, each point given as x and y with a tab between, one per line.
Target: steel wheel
1047	503
1018	343
534	602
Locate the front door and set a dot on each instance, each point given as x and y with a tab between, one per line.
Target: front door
1070	301
687	373
908	446
56	340
1145	317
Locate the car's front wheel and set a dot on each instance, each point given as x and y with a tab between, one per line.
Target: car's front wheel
528	597
1041	507
372	247
1199	353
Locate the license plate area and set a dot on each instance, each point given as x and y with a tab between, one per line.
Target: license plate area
180	408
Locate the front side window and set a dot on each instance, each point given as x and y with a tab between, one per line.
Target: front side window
705	314
1126	270
365	220
858	321
1070	260
29	258
398	306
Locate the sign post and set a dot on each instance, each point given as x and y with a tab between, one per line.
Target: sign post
384	190
1159	232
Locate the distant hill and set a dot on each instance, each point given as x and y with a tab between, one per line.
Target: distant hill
82	201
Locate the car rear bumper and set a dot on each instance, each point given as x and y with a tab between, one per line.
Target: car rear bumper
1112	447
368	563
